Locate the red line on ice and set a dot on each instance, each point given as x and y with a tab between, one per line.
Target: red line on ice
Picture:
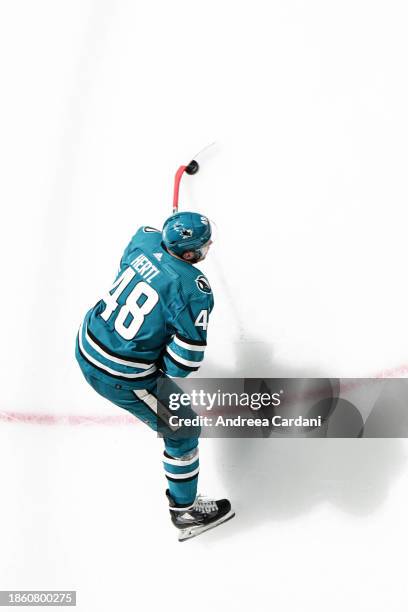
38	418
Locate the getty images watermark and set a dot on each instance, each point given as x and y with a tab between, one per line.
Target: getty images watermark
200	399
284	407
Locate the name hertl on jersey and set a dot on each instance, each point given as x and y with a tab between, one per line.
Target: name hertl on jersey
153	318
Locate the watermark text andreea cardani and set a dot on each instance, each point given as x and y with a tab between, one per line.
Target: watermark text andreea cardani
220	400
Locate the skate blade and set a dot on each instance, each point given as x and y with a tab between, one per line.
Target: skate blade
192	532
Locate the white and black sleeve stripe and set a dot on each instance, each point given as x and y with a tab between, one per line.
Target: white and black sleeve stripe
180	362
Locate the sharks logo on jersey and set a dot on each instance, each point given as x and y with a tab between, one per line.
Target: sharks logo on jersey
203	284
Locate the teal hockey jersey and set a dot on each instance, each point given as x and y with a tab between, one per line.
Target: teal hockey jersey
153	319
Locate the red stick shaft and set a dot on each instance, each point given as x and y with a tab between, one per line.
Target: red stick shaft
177	180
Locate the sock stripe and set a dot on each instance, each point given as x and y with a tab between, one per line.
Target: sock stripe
182	478
180	461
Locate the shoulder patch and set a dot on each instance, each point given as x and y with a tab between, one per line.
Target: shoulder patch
158	256
147	229
203	284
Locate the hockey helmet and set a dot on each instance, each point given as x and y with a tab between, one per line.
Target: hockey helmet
187	231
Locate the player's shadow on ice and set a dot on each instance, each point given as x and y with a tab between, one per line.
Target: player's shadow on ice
278	479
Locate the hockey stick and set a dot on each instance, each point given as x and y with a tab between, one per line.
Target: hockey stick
191	168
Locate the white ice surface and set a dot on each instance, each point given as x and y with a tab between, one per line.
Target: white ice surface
101	101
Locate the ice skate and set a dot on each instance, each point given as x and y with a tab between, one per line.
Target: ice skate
202	515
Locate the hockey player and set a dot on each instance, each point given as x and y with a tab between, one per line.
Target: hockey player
151	324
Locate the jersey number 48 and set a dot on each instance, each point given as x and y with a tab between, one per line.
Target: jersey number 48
131	315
